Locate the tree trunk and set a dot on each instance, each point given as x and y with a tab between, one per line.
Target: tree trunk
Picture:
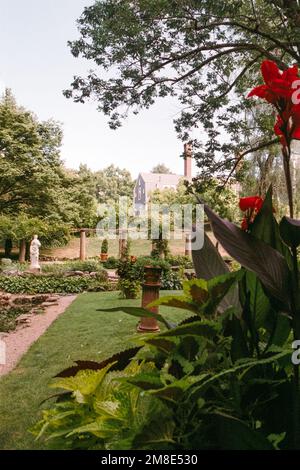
27	255
8	248
22	251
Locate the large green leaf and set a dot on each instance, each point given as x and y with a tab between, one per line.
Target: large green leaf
239	346
85	381
234	434
266	262
265	227
290	231
207	329
172	392
218	288
146	381
178	301
197	290
259	303
162	344
201	296
119	361
208	264
138	312
156	434
237	368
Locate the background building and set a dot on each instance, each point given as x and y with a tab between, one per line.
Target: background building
146	183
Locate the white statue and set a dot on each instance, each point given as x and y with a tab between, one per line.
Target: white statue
34	253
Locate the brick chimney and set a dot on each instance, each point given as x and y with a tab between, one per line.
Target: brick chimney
188	151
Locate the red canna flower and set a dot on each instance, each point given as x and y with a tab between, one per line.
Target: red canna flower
251	202
278	90
277	84
251	205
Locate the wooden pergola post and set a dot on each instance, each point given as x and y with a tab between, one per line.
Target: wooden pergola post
188	245
82	253
122	243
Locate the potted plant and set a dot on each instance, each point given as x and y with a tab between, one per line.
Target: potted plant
104	250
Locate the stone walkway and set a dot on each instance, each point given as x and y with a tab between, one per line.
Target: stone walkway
19	341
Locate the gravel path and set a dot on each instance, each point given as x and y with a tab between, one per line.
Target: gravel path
19	341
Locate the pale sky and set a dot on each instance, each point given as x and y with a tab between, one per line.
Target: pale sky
37	65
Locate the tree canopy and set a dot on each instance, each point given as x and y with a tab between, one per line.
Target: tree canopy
204	53
111	183
36	191
161	168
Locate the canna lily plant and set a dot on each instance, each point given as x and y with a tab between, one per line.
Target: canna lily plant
224	376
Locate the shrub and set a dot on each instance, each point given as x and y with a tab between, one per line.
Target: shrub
180	260
130	278
49	284
8	318
104	246
61	268
129	289
111	263
133	272
87	266
171	280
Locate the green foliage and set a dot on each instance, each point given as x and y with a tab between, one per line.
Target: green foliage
134	272
111	183
22	227
71	266
290	231
170	280
111	263
223	374
36	191
104	246
223	199
180	260
200	60
99	411
202	383
50	284
161	169
8	317
129	289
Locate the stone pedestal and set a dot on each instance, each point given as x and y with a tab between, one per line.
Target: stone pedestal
150	293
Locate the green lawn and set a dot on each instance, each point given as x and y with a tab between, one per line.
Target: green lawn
80	333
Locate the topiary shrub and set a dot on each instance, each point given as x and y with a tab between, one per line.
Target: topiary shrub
104	246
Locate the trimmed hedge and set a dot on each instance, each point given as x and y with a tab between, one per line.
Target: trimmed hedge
50	284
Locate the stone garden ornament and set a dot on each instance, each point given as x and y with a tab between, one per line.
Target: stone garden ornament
34	253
